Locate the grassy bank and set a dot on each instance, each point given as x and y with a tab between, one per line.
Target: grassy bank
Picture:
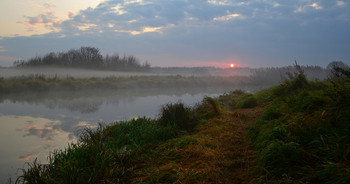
303	134
40	83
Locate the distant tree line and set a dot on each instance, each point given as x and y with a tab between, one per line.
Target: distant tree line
86	57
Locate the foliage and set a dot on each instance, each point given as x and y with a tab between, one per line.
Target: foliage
178	115
303	134
274	75
209	108
85	57
247	101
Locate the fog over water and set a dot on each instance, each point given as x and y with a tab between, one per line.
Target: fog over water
155	71
63	72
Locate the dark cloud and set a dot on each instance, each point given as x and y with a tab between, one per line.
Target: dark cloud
255	32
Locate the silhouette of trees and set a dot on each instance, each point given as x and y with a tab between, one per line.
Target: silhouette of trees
85	57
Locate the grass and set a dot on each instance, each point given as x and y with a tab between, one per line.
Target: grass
247	101
303	134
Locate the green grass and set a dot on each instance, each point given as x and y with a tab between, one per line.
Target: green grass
247	101
303	134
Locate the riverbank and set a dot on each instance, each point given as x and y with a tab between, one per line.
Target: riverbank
294	132
41	83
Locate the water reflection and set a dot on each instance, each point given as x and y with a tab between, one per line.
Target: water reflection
24	138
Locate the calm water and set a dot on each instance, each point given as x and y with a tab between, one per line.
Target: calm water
32	125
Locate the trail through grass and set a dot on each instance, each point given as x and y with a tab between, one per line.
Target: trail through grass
218	152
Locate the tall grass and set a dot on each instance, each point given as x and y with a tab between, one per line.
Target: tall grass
178	115
303	135
104	155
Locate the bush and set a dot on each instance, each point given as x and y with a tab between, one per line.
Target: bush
179	115
247	101
212	106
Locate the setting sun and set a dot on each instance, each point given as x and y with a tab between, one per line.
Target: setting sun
232	65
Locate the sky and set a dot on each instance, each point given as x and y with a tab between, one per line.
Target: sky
251	33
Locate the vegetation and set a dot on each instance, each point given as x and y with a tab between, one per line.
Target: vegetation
85	57
303	134
273	75
40	83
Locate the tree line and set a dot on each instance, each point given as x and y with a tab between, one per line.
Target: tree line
86	57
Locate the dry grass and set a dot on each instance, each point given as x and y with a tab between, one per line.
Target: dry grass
218	152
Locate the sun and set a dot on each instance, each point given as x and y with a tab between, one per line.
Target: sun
232	65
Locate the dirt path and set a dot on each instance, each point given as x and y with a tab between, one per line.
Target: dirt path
239	158
219	152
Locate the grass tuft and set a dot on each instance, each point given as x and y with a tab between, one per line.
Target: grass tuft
178	115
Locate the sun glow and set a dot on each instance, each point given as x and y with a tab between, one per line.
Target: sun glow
232	65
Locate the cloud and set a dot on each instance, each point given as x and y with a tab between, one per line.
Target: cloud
146	29
341	3
183	30
228	17
140	2
220	3
49	5
47	19
315	6
35	5
118	9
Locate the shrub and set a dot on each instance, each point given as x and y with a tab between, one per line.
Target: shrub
247	101
177	114
213	103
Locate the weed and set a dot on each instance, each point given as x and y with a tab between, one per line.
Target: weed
178	115
247	101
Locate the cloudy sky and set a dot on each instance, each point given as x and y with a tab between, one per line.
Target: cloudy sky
253	33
